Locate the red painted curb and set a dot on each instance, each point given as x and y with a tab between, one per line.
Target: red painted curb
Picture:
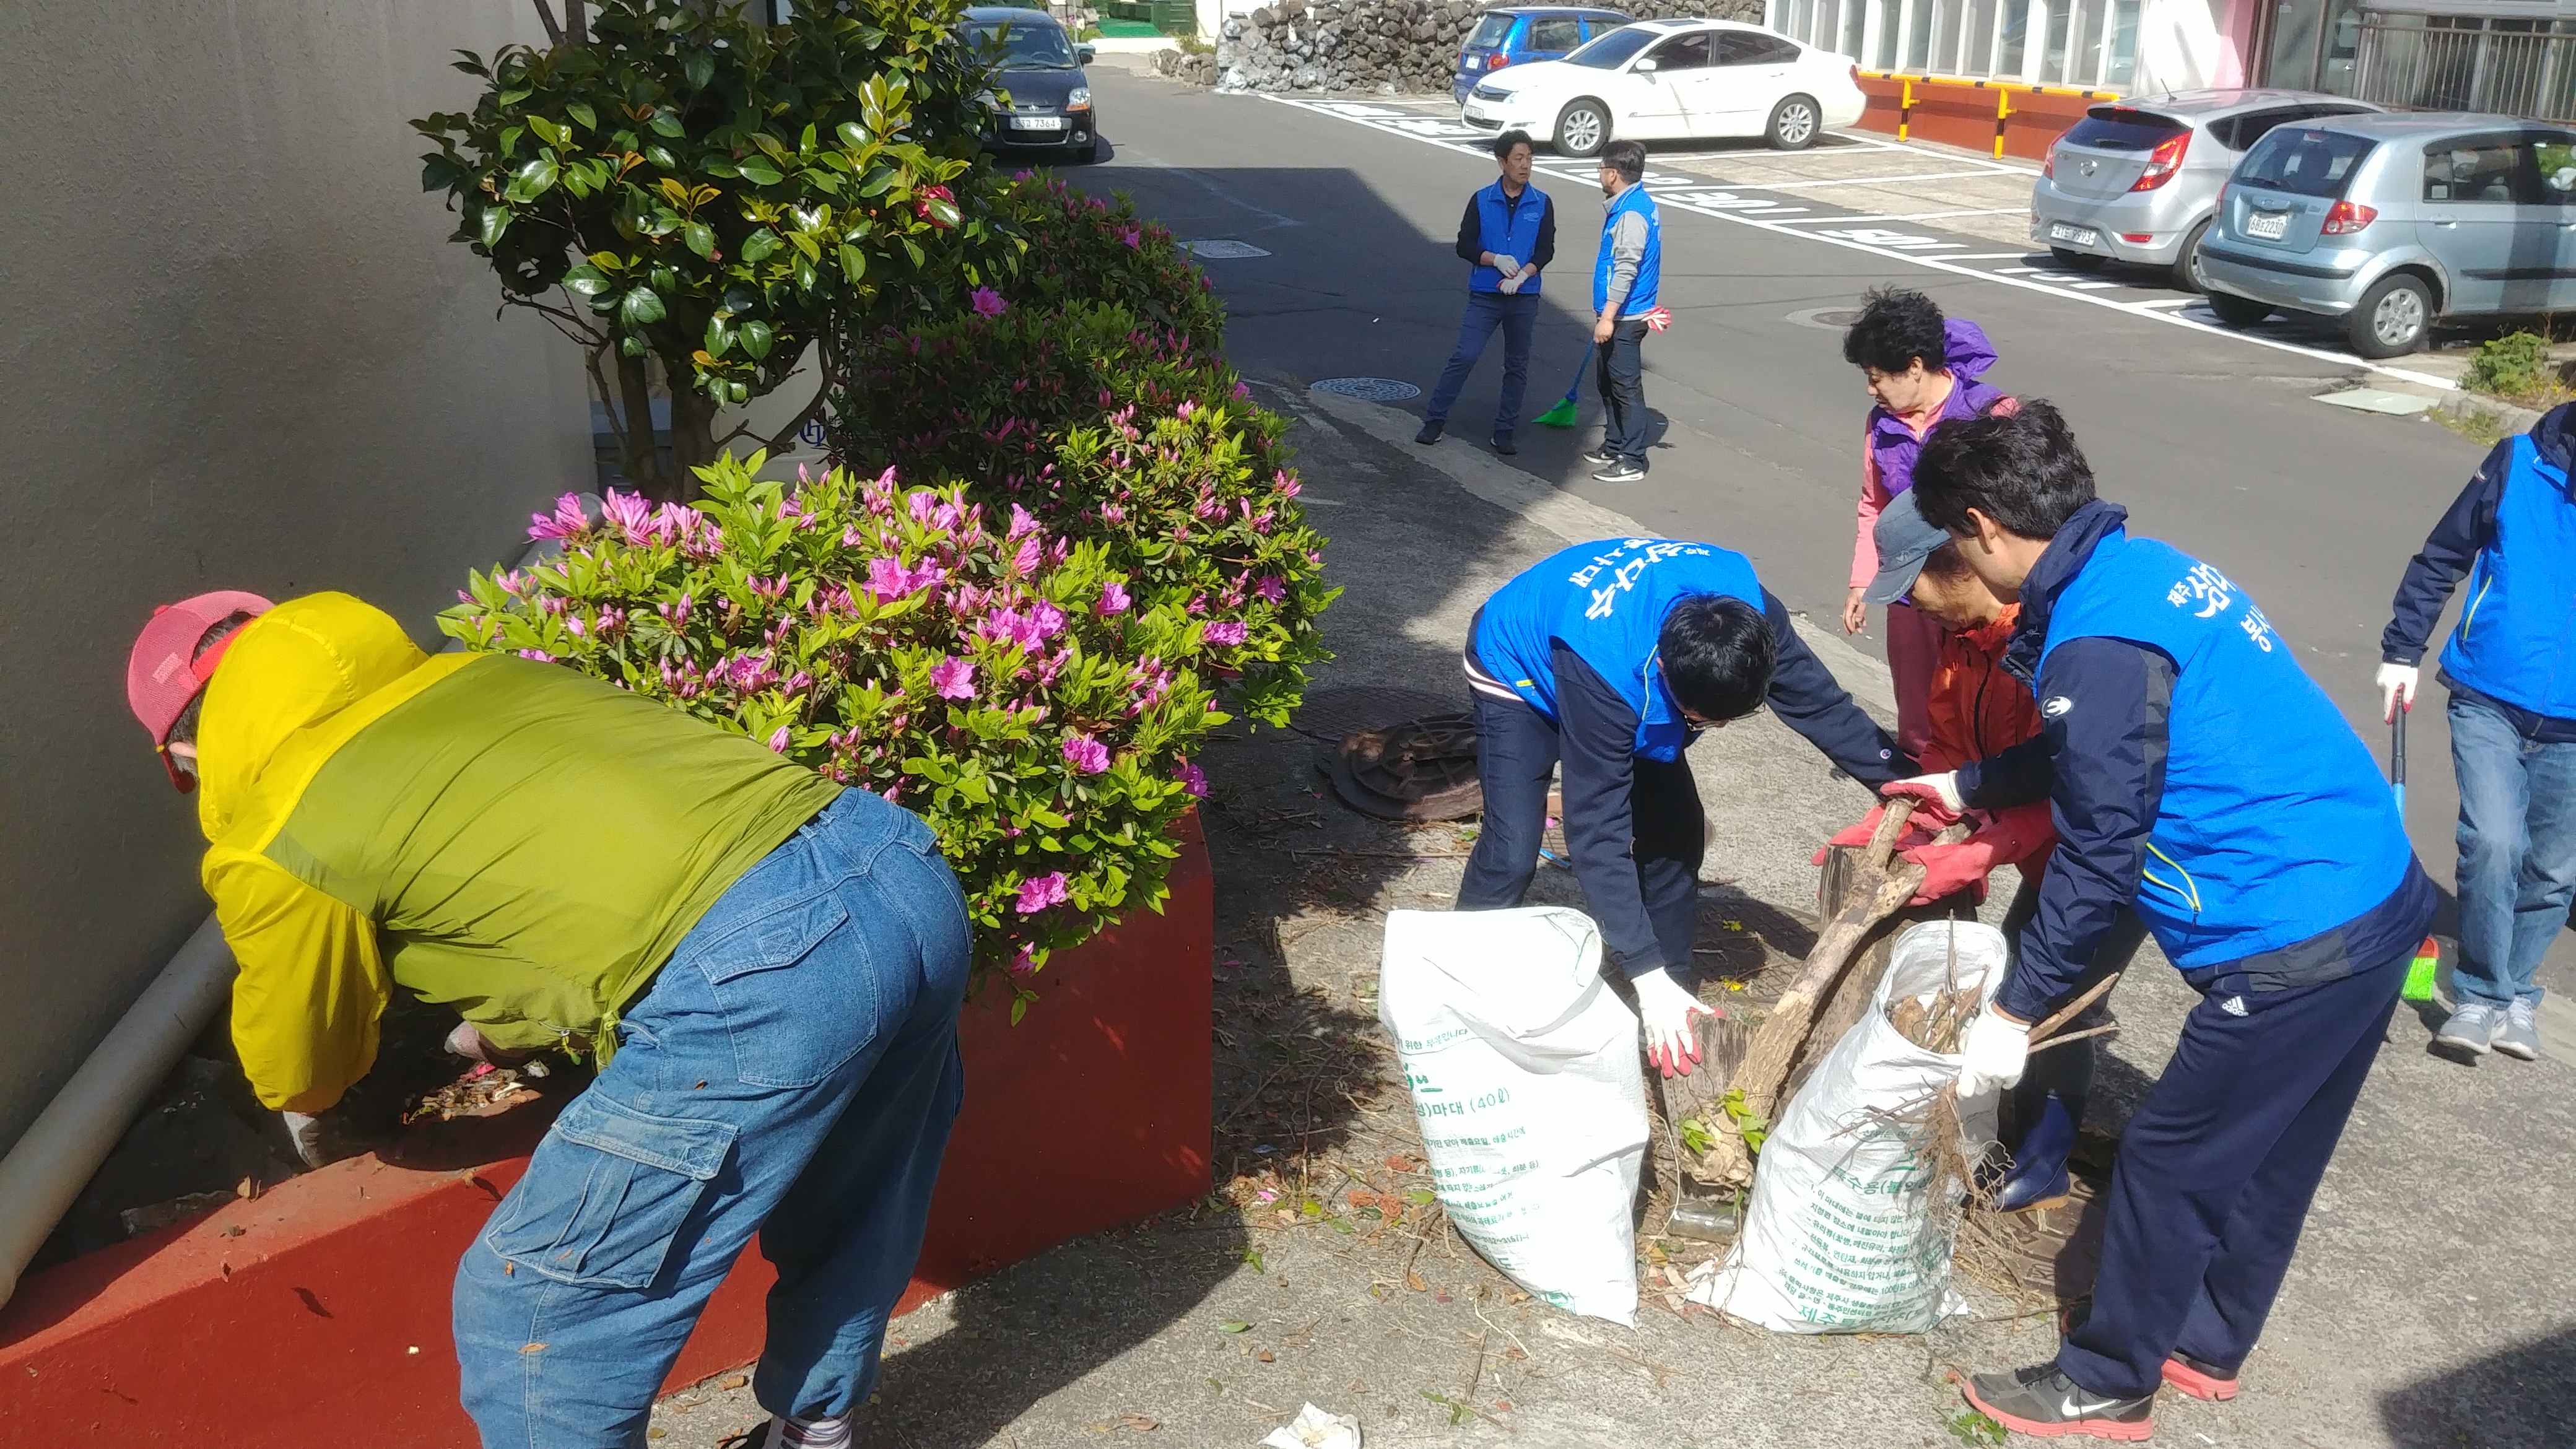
323	1305
1962	113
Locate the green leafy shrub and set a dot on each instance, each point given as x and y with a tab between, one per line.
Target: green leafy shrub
1082	249
1118	434
2515	365
721	194
1002	681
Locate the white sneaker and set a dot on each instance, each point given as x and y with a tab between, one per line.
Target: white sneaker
2520	1035
2472	1028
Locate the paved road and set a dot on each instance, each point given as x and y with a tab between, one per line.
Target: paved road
2211	438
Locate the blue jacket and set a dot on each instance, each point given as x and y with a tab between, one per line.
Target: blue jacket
1522	227
2513	530
2194	771
1650	265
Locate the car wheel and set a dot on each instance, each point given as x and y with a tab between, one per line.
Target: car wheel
2186	266
1582	128
1794	124
2237	311
2074	261
1088	154
2392	318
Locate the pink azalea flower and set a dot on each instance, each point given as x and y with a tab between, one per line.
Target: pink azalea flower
953	678
1023	965
1040	892
989	303
778	740
629	514
1086	754
1270	589
1046	619
1193	779
539	655
1022	522
1228	631
1113	598
568	519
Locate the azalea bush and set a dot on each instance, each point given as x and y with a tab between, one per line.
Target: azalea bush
1060	246
1116	433
1033	701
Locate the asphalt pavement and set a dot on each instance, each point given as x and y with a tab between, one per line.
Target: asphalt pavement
2211	438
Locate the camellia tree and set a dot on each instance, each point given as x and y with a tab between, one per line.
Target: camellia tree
676	180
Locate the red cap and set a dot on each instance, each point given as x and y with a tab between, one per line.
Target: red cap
164	672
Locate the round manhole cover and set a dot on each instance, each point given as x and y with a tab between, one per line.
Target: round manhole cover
1369	389
1224	250
1826	319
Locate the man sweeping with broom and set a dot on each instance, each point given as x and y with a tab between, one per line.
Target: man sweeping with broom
2195	772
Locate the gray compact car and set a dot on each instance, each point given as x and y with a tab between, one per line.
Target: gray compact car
2137	181
2385	223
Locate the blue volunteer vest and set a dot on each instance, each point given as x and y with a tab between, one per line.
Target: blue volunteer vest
1650	267
2275	825
2512	642
1607	601
1507	232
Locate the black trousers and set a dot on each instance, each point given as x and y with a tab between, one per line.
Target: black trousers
1516	753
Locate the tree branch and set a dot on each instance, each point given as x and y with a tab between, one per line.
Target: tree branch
546	14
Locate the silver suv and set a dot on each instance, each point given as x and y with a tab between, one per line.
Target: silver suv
2138	181
2385	223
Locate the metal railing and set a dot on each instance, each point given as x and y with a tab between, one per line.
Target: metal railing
2446	63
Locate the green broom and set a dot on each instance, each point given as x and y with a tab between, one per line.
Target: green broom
1562	415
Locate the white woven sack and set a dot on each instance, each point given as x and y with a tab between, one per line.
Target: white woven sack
1841	1235
1525	1078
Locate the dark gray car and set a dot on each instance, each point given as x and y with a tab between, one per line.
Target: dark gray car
1044	98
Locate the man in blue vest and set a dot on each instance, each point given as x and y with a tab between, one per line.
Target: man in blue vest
1506	235
1611	657
1626	275
2513	720
2195	773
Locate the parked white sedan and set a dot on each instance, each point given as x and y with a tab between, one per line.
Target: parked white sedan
1661	79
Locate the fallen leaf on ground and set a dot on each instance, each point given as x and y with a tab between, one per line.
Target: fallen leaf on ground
1138	1423
1400	1164
1414	1282
1233	1325
733	1381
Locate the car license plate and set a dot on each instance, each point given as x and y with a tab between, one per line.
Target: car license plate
2267	225
1477	113
1037	123
2082	236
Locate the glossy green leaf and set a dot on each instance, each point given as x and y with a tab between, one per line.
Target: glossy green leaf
586	280
491	224
642	307
700	237
581	111
532	180
719	338
854	263
667	122
759	172
437	173
854	135
760	244
756	338
700	69
944	212
547	131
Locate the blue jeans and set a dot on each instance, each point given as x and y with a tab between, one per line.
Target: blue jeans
793	1071
1518	317
1622	378
2517	852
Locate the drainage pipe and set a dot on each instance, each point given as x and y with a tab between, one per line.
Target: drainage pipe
44	1174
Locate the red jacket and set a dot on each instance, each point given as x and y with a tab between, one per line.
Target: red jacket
1978	709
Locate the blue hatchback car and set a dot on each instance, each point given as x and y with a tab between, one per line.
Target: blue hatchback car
1525	33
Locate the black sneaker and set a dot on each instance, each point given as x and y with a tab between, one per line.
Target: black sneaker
1619	473
1599	458
1430	432
1504	445
2044	1403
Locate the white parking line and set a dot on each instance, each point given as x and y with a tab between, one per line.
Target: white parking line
1867	180
1999	257
2143	308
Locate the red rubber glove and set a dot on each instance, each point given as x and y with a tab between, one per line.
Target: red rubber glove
1860	834
1949	869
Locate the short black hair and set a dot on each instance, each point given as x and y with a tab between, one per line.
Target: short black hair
1628	158
1897	326
1504	143
2021	469
1718	655
1946	562
183	730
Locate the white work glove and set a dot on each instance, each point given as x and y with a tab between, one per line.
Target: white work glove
1939	792
2396	685
1508	265
1512	284
306	1132
1664	1011
1992	1054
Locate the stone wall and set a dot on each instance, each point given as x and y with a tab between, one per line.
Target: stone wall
1377	47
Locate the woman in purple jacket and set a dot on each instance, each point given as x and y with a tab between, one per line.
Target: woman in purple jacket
1921	370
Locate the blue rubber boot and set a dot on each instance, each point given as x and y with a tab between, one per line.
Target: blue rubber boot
2038	1175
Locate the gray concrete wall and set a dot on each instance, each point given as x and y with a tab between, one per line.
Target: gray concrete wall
236	350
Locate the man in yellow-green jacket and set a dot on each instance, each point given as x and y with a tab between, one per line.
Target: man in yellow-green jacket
767	967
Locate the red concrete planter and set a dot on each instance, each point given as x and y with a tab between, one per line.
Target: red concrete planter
323	1306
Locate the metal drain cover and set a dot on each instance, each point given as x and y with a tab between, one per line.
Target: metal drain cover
1826	319
1332	715
1369	389
1224	250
